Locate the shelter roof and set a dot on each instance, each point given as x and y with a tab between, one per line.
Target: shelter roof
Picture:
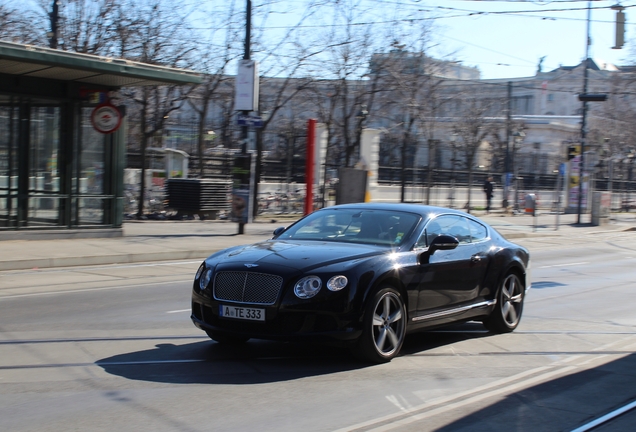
35	61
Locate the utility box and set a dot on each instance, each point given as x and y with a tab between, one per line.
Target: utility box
601	208
176	163
352	185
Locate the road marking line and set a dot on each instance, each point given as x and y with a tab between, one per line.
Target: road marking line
446	399
147	362
511	384
90	290
81	269
606	418
179	311
564	265
477	398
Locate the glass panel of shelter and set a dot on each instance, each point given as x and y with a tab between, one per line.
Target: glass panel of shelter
31	181
44	180
90	172
8	165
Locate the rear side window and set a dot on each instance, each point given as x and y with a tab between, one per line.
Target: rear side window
478	232
453	225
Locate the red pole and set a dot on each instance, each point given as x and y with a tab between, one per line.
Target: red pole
309	166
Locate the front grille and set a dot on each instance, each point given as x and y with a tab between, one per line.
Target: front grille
247	287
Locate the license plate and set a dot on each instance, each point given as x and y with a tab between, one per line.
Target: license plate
251	314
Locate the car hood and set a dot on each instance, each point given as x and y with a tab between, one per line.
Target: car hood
297	255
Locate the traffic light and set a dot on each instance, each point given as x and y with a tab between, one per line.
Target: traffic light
620	27
573	151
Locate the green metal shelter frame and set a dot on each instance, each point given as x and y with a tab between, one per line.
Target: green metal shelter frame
56	170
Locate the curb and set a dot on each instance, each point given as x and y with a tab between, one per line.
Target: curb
41	263
133	258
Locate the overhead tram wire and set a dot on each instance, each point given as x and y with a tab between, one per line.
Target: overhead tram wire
463	13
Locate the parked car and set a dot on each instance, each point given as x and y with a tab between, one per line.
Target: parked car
364	275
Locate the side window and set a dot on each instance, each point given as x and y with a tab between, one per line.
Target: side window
454	225
457	226
478	232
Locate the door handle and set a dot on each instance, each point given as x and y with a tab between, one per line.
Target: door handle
477	258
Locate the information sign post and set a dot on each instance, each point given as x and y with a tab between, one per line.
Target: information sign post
241	190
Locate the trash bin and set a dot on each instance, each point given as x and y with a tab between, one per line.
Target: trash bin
531	204
601	207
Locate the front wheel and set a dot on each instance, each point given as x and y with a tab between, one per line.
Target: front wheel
384	327
507	313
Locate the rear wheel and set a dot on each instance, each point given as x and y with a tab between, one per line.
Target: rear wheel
227	339
507	313
384	327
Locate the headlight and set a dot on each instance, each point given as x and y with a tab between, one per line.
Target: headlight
201	268
307	287
205	279
337	283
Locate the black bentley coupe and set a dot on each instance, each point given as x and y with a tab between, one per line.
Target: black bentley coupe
364	275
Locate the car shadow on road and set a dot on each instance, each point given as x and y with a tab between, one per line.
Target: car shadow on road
257	361
421	342
208	362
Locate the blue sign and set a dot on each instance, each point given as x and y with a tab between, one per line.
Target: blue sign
507	179
251	121
562	169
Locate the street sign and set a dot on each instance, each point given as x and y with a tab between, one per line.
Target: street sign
562	169
251	121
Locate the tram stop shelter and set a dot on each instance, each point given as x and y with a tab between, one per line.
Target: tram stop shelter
59	175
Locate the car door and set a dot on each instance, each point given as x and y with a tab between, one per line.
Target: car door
450	277
480	258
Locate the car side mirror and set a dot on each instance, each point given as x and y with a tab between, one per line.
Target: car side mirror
278	231
441	242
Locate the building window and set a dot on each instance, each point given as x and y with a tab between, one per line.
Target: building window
550	98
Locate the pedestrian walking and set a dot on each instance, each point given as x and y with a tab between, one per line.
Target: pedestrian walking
488	187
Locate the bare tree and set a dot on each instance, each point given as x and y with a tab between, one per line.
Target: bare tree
288	76
501	144
345	61
84	25
220	44
471	127
159	40
411	80
21	25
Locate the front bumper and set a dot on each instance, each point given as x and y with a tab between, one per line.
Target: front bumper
279	324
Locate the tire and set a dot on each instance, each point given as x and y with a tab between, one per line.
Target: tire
227	339
384	327
507	313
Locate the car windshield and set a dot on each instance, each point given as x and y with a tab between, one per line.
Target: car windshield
378	227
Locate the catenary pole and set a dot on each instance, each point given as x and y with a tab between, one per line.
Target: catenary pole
246	56
584	114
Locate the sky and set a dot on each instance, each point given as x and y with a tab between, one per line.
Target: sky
509	45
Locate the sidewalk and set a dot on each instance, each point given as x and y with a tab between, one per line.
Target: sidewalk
145	241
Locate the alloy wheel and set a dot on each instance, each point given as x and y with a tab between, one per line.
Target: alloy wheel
511	299
388	324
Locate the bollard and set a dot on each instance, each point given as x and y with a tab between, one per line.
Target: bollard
531	208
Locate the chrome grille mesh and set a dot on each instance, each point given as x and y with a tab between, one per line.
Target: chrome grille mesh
247	287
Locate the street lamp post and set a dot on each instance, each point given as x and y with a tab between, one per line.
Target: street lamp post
518	138
451	193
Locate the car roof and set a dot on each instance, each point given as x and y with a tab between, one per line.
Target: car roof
423	210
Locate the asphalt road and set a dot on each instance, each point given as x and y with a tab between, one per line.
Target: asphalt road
112	348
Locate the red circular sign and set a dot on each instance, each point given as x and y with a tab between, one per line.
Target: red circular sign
106	118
